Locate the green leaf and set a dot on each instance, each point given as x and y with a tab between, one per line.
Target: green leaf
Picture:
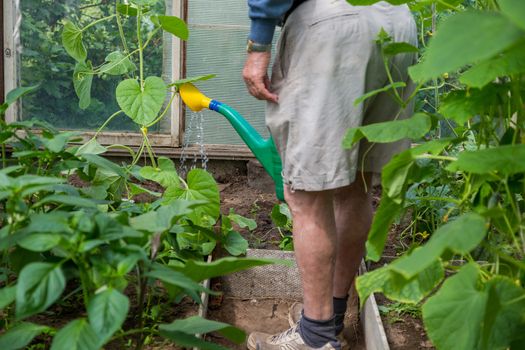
76	335
72	42
40	242
458	42
91	147
67	200
175	26
395	85
39	286
164	218
454	314
180	82
459	236
200	270
200	186
118	64
461	105
189	341
105	164
235	244
413	128
386	213
107	312
503	160
20	335
165	174
82	81
15	94
7	296
142	105
281	215
514	10
242	221
399	47
198	325
508	63
395	287
503	321
176	278
57	143
371	2
127	10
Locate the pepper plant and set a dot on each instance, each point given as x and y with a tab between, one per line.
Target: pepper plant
470	273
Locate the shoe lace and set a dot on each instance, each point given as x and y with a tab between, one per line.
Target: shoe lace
285	334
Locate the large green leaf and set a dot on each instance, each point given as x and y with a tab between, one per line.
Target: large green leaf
141	104
395	287
73	201
386	213
107	312
413	128
164	218
458	42
235	243
198	325
200	270
453	316
504	160
105	164
39	286
175	26
76	335
200	185
165	174
82	81
20	335
459	236
514	10
176	278
117	64
72	41
504	318
509	62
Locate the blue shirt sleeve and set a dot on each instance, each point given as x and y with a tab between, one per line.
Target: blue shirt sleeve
265	15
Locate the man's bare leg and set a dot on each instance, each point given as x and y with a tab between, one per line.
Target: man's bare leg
353	217
314	236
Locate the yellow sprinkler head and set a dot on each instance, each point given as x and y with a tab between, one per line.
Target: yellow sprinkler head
193	98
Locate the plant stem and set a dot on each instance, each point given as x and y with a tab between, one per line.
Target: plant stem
141	48
106	123
163	113
129	149
97	22
121	30
141	296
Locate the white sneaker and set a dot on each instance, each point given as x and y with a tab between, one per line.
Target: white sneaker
287	340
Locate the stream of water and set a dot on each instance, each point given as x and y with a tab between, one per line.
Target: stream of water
194	136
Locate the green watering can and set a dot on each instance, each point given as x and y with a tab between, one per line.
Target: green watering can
263	149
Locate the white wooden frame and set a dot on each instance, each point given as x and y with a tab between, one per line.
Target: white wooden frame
12	19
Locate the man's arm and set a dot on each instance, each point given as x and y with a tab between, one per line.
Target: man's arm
264	15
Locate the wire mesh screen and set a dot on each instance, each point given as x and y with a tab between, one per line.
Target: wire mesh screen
218	33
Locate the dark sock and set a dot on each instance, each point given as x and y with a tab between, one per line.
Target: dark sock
316	333
340	305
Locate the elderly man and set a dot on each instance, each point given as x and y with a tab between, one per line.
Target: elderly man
327	56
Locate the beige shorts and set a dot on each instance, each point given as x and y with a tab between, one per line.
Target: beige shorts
327	57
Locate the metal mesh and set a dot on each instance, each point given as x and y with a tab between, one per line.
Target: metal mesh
269	281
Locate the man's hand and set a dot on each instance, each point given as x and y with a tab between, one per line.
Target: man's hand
255	74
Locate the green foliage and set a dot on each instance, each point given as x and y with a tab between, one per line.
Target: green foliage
463	251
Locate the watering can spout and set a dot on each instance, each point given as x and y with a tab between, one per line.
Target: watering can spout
263	149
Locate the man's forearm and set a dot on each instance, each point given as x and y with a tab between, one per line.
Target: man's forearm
265	15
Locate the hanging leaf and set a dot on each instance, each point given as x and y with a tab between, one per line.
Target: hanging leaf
118	64
76	335
39	286
175	26
91	147
17	93
107	312
458	42
235	243
82	81
180	82
72	42
412	128
141	105
514	10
